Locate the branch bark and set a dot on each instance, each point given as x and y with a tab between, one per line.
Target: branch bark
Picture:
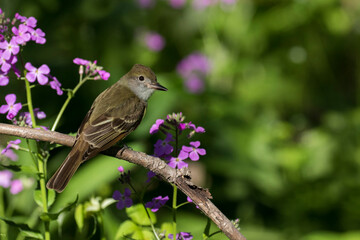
181	178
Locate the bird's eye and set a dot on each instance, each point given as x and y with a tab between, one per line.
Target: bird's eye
141	78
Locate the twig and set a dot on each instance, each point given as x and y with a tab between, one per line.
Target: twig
181	178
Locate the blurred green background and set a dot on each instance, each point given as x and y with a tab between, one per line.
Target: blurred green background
280	105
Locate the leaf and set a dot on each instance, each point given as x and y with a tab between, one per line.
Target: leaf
127	228
107	202
167	227
138	215
12	167
54	216
24	229
50	197
207	228
79	216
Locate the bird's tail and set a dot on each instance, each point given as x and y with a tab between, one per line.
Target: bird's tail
67	169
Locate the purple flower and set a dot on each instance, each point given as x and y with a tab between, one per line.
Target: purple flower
7	63
4	79
179	161
150	175
30	22
194	84
156	126
124	199
197	129
154	41
193	63
39	114
201	4
56	85
121	169
37	73
20	18
12	144
11	155
16	186
104	75
194	151
146	3
177	3
38	36
10	48
5	178
80	61
22	34
162	147
156	203
181	236
11	108
27	116
193	68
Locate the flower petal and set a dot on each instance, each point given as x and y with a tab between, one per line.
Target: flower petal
201	151
4	109
42	79
44	69
31	77
195	144
10	99
194	156
29	67
116	195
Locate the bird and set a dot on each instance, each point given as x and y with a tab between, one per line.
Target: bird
114	114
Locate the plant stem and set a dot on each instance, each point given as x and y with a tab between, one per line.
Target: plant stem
174	207
70	96
3	226
41	169
29	102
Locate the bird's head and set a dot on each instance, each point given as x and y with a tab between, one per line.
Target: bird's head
142	81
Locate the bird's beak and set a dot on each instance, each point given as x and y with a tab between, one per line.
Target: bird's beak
157	86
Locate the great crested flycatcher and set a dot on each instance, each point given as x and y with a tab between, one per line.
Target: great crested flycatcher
115	113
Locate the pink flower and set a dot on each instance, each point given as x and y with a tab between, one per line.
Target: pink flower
38	36
177	3
121	169
37	73
10	48
194	151
154	41
16	186
22	34
12	144
80	61
178	162
5	178
11	107
156	126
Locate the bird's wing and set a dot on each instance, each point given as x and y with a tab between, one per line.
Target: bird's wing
114	124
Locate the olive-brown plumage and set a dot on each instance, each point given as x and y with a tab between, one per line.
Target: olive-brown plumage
115	113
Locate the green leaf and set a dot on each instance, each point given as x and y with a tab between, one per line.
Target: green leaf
127	228
167	227
138	215
50	198
54	216
24	229
79	216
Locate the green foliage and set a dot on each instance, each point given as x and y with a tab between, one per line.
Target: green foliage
280	107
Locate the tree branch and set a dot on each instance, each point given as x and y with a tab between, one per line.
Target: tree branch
181	178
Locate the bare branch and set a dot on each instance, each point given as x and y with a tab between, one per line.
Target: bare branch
181	178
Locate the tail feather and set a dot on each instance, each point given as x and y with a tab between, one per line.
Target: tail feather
67	169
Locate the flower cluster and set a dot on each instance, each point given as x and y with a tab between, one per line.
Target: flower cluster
91	69
15	34
193	69
181	236
6	181
164	148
